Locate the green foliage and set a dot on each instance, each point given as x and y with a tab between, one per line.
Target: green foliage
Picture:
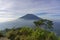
1	35
26	33
58	38
45	22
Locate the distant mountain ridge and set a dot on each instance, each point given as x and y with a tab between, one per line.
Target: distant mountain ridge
30	17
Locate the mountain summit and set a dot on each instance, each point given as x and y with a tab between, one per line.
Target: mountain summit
30	17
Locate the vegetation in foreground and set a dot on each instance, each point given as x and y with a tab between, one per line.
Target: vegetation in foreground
27	33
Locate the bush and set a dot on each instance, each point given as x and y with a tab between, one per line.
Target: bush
1	35
26	33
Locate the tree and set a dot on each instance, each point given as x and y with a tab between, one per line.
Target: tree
45	22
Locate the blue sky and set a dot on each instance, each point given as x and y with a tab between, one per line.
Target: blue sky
10	9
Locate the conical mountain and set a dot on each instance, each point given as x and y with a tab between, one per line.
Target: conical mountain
30	17
26	20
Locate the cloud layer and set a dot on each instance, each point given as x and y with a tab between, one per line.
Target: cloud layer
17	8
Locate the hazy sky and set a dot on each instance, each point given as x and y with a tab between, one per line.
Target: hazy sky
10	9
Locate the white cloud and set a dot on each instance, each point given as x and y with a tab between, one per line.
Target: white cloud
17	8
